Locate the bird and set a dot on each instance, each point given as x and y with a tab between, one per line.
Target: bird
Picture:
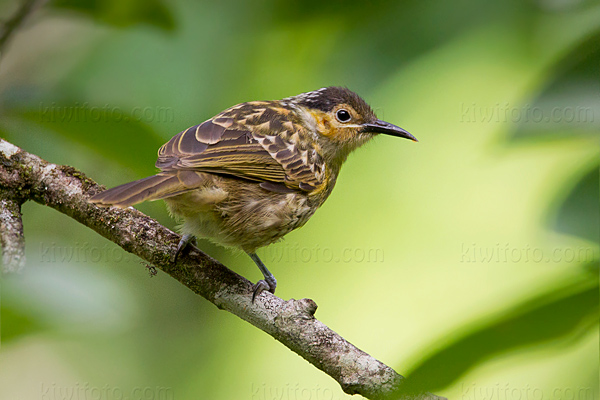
256	171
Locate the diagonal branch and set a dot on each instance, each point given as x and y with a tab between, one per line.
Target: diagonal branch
24	176
8	27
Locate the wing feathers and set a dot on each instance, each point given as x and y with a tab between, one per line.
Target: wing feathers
230	144
209	132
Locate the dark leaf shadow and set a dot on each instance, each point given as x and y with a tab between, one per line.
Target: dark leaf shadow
122	13
560	314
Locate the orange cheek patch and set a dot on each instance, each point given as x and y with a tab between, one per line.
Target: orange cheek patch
323	124
329	128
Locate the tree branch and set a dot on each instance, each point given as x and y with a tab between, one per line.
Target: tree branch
11	235
8	27
24	176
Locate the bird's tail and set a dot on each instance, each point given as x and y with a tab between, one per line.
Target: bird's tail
154	187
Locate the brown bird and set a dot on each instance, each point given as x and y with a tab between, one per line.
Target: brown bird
258	170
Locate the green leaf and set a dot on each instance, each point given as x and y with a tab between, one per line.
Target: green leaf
16	323
123	13
579	213
568	105
557	314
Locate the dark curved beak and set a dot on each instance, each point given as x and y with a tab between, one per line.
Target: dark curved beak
386	128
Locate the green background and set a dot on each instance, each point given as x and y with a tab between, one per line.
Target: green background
468	261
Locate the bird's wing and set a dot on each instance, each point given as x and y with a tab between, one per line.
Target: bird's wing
246	141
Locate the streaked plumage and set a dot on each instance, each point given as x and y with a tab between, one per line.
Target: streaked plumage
257	170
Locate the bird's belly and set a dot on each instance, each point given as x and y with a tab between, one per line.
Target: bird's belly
249	216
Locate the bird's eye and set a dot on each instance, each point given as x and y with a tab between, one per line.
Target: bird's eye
343	115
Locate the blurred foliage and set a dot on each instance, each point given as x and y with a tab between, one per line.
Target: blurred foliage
579	213
96	127
564	313
122	13
88	84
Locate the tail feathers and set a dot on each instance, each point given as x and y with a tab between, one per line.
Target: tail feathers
151	188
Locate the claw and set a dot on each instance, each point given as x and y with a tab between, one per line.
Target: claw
258	288
269	283
183	243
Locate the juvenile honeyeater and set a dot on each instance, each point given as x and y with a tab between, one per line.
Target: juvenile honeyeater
258	170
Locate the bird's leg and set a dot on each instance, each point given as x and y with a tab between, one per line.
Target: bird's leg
269	283
185	240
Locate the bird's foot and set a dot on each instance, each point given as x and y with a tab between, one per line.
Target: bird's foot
269	283
183	243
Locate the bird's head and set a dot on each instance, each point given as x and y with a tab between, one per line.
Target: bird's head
342	120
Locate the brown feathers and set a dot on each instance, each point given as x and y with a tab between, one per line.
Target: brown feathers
258	170
249	141
154	187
